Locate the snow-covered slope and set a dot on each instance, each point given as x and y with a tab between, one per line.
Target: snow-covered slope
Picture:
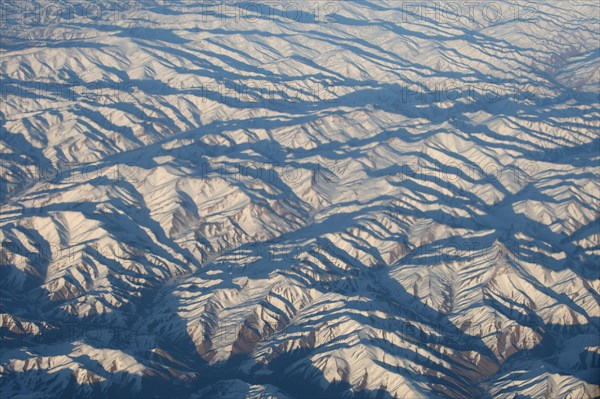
306	199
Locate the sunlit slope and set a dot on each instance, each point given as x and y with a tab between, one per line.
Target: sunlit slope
357	198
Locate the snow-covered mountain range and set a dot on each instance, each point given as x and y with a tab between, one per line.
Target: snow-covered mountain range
357	198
